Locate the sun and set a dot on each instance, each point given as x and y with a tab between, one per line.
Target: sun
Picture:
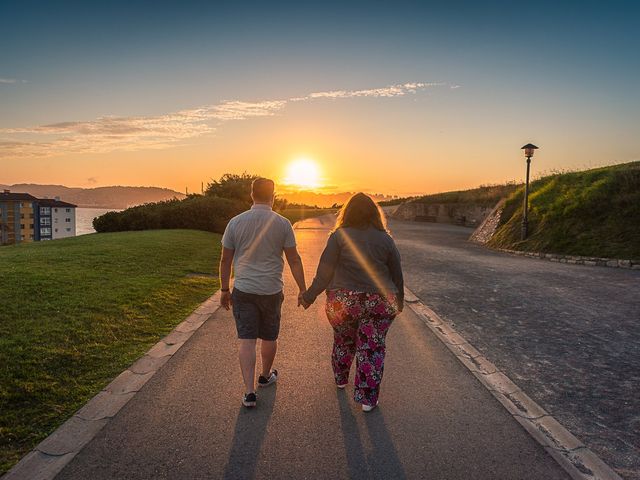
303	173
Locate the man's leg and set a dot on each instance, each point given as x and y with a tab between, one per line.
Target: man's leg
269	328
268	351
247	356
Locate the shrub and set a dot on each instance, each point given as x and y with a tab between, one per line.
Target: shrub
194	212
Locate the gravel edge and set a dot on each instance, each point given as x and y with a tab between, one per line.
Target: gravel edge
572	455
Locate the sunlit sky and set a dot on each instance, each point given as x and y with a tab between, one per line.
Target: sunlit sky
393	97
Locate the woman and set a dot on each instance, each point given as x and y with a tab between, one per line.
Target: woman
360	270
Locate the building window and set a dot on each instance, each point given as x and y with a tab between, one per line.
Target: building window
68	220
22	216
45	231
31	237
31	226
55	210
31	215
22	226
56	230
45	210
68	210
68	229
45	221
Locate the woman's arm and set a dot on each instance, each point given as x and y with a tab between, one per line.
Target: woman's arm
325	271
395	269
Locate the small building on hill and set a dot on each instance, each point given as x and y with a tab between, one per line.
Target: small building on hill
25	218
18	213
57	219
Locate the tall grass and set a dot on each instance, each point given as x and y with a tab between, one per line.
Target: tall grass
593	213
486	195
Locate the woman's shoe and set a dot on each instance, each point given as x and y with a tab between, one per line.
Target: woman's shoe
368	408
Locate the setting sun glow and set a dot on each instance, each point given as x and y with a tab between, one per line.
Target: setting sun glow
303	173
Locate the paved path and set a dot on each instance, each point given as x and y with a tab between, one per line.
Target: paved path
568	335
435	419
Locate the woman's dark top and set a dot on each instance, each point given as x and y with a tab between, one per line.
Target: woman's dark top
362	260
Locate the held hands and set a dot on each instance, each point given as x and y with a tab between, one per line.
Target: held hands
301	301
225	300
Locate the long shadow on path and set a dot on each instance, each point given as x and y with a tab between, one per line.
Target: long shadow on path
376	458
249	433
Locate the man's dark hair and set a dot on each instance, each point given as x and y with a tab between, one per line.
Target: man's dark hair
262	189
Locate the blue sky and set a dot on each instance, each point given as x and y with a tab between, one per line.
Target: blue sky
559	73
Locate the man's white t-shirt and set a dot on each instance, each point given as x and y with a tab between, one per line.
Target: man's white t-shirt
258	237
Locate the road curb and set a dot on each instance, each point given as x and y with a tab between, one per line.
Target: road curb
572	455
575	259
51	455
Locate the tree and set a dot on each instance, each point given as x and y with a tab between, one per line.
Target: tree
232	186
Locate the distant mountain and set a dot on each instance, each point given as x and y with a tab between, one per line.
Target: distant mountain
100	197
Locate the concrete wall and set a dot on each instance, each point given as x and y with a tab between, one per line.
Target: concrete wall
455	213
63	222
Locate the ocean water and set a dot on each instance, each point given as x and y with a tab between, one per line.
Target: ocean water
85	216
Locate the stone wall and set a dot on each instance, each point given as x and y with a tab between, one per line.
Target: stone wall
488	227
578	259
454	213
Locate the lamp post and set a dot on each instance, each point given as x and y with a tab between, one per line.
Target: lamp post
528	152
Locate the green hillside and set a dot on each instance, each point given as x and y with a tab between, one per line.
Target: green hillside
486	196
592	213
76	312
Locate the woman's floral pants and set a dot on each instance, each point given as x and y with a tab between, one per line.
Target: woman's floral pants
360	323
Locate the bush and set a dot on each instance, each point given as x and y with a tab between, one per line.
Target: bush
222	200
232	186
194	212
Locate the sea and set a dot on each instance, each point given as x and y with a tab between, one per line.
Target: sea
85	216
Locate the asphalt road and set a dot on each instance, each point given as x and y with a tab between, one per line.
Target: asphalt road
434	421
568	335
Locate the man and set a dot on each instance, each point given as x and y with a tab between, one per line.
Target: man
253	243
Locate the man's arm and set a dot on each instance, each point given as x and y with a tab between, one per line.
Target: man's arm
325	271
226	260
297	270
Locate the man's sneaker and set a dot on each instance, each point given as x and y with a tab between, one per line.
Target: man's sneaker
265	382
249	400
342	385
368	408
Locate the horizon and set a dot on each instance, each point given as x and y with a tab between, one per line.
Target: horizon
294	191
406	100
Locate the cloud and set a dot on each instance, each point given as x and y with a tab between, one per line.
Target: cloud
11	81
389	91
109	133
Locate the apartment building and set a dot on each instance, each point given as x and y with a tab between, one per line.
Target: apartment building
25	218
18	218
57	219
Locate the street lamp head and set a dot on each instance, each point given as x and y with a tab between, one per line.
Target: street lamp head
528	150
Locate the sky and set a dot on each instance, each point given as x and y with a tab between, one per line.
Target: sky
392	97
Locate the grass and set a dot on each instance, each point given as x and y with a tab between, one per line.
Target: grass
593	213
486	196
296	214
76	312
